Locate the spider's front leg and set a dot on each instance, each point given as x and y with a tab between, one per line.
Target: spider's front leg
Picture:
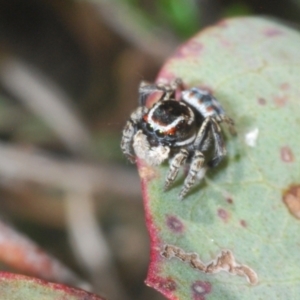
145	90
195	167
220	149
212	123
178	161
229	122
201	143
129	132
158	90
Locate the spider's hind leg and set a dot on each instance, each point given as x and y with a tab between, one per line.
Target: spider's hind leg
220	149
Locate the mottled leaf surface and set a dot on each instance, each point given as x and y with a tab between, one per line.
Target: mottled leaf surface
19	287
250	204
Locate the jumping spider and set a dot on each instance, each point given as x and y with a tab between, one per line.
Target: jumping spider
182	129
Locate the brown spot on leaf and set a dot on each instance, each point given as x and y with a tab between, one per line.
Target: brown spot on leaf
225	43
200	289
291	198
166	284
271	32
262	101
280	101
285	86
229	199
175	224
286	154
223	214
243	223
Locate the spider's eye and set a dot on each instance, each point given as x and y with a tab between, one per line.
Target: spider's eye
149	127
159	133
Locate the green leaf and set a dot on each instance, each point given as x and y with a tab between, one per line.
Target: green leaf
237	9
182	15
19	287
246	211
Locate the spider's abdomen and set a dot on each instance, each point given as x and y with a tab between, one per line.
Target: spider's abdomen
203	102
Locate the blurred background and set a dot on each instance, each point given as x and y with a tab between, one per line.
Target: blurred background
69	72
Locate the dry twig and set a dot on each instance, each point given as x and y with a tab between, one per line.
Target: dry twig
71	175
22	254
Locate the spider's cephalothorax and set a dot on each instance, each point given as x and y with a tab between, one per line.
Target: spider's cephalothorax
182	128
170	123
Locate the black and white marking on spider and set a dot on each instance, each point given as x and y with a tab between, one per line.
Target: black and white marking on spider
184	130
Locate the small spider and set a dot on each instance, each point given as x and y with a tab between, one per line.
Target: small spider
183	130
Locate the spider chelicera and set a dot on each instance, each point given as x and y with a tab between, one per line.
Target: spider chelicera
184	129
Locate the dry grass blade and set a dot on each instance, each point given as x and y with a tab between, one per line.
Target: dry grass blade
90	246
17	164
45	99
